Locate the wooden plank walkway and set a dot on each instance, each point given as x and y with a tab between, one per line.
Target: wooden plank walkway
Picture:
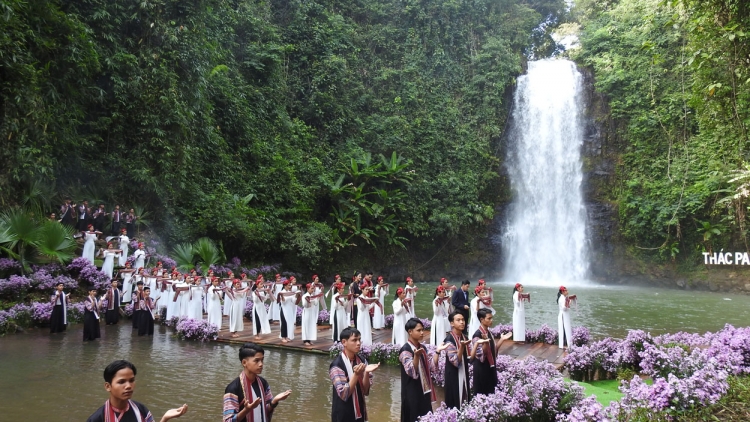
541	351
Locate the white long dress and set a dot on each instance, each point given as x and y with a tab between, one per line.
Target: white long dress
473	320
519	319
89	247
140	259
411	294
213	306
319	288
363	322
339	317
183	300
400	316
124	248
127	286
440	324
195	307
109	262
378	316
168	298
260	315
236	314
228	301
289	309
563	323
274	310
310	318
333	304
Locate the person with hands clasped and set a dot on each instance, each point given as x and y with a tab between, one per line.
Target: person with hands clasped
457	363
351	377
484	352
248	397
417	391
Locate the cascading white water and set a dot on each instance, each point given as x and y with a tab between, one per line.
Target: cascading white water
545	238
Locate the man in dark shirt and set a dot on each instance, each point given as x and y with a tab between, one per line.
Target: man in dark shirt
460	301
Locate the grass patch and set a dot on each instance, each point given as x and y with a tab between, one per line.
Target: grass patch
606	391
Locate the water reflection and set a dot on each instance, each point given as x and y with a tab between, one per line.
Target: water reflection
46	376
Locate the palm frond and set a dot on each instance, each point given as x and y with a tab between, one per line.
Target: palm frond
55	242
184	256
208	253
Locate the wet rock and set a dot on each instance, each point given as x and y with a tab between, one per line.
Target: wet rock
681	283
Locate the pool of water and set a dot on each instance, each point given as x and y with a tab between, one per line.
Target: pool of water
58	376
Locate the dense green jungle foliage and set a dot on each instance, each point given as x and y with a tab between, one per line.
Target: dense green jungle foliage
286	129
677	78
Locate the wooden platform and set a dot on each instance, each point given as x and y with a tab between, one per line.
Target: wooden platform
541	351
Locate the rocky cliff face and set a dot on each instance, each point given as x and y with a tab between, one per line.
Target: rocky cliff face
611	259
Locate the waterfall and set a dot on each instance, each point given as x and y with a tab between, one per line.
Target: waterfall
545	238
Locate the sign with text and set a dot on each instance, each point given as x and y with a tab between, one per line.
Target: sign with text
726	258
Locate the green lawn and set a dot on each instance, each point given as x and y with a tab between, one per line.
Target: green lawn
605	391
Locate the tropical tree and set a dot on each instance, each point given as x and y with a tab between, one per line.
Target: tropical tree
208	253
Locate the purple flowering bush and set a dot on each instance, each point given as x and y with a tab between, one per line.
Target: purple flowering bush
544	334
201	330
389	321
689	371
128	310
9	265
324	317
165	260
87	274
75	312
14	286
527	390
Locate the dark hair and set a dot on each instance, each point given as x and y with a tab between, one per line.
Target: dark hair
453	315
465	282
559	293
57	284
249	350
113	368
348	332
147	288
482	313
368	272
412	324
139	283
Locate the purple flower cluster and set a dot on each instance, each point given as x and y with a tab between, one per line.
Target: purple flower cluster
544	334
15	285
75	312
41	312
324	317
201	330
7	264
133	245
87	274
165	260
688	370
128	310
266	270
526	390
389	321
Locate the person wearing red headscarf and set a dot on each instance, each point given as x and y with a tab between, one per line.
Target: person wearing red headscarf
339	315
89	248
519	314
237	313
287	300
140	257
401	314
378	317
411	294
309	305
440	310
564	329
